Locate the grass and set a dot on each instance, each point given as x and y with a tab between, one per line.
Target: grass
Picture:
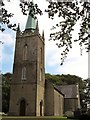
34	118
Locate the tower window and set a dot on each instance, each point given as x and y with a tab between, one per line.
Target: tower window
24	73
25	52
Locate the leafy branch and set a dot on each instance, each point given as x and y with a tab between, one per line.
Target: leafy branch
5	18
71	13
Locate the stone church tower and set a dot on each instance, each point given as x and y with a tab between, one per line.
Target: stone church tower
27	87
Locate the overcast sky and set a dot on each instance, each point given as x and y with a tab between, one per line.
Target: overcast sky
75	64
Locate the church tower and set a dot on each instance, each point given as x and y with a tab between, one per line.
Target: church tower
27	87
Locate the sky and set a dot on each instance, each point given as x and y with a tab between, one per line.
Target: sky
74	64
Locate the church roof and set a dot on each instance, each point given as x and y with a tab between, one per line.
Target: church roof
70	91
31	23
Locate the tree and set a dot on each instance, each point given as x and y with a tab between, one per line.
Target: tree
6	80
87	93
71	12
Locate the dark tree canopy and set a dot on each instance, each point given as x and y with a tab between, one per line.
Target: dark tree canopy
6	80
87	92
84	87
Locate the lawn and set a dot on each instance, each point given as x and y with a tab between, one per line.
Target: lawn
34	118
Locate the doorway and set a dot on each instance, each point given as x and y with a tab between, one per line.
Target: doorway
22	108
41	104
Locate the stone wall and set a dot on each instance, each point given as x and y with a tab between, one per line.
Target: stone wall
58	103
70	104
20	92
49	99
53	101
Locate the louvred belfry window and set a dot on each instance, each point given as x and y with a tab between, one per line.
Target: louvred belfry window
25	52
40	74
23	73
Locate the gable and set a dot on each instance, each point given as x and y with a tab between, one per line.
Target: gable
70	91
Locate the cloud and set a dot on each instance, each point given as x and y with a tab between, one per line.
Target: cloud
7	39
78	66
7	65
6	51
18	17
74	63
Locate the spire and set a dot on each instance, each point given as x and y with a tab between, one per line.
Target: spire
31	23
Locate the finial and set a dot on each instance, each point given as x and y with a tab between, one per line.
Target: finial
37	28
32	1
18	28
43	35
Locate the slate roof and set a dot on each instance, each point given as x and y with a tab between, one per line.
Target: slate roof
54	87
58	90
70	91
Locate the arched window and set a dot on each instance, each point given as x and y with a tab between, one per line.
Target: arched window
25	52
24	73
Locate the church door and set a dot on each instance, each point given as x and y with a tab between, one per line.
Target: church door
41	108
22	107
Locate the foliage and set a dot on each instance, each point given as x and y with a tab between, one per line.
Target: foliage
25	7
71	12
5	18
87	93
64	79
6	79
31	7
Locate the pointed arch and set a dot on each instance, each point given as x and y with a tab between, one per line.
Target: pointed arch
23	77
22	107
41	104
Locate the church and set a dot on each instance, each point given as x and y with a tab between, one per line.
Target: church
31	94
